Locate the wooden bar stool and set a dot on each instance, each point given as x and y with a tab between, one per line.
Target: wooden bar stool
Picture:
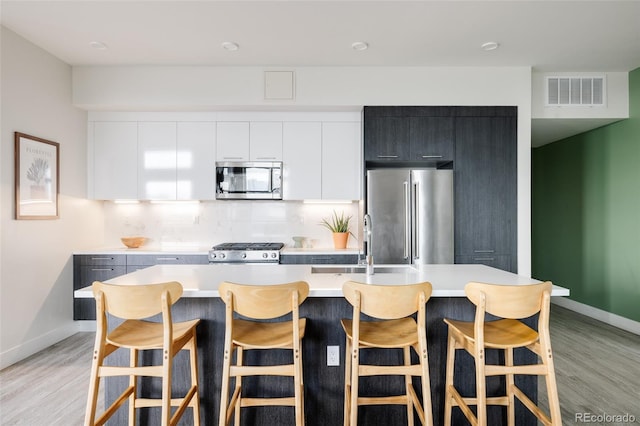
133	303
261	302
510	303
393	305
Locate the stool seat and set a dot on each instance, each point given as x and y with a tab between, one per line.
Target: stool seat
499	334
395	333
265	335
145	334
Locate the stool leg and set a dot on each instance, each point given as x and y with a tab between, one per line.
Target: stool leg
238	406
193	360
550	380
224	388
133	383
426	383
408	382
481	386
94	384
355	375
297	380
167	361
448	383
347	382
510	383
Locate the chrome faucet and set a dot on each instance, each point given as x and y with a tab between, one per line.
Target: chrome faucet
368	248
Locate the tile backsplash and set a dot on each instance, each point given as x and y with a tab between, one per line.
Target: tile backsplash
207	223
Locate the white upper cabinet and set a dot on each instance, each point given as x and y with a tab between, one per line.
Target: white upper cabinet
157	160
172	156
341	161
113	160
196	154
301	156
265	141
232	141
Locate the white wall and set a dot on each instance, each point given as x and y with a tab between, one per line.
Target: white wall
320	88
35	255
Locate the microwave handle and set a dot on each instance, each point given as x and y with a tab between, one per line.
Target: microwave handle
276	180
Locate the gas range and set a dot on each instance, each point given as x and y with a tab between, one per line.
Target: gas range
245	253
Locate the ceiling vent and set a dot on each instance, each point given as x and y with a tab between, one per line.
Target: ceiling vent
575	91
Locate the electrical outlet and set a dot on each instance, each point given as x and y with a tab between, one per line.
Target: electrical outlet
333	356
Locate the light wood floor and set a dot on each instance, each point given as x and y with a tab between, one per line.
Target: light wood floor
597	368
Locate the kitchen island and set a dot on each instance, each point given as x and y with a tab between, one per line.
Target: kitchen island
324	308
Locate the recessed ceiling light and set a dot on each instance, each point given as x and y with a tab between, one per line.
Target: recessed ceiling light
230	46
490	45
98	45
359	45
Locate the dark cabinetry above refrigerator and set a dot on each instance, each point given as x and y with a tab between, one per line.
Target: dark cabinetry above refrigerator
404	134
480	144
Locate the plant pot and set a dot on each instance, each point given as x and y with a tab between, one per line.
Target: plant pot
340	239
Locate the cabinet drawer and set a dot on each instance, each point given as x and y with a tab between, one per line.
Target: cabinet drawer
90	273
319	259
84	276
100	259
500	261
166	259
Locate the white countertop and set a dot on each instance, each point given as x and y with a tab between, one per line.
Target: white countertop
203	280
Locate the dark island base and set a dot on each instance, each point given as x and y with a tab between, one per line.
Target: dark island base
323	385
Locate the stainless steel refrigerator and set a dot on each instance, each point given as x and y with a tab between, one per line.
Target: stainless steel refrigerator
411	215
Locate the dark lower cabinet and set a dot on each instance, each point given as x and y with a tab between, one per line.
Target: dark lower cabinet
318	259
88	268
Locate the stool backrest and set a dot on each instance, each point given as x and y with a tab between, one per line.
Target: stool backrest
136	301
509	301
386	301
263	301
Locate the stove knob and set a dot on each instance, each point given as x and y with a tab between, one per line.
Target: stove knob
222	256
244	255
273	255
265	255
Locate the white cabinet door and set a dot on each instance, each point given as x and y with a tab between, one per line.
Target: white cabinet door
157	160
232	141
301	156
196	161
341	161
265	141
114	163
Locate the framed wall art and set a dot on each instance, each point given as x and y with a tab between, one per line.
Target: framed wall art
37	168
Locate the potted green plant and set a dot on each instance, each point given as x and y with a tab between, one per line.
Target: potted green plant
339	226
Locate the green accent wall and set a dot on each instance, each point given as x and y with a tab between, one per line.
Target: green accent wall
586	213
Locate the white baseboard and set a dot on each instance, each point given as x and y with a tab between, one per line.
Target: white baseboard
86	325
598	314
30	347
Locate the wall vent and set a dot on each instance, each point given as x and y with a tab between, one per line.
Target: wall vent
575	91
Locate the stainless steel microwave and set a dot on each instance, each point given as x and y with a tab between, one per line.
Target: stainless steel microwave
258	180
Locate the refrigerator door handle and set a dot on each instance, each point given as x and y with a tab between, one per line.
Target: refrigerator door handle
407	219
416	221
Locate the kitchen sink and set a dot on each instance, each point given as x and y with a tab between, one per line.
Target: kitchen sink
395	269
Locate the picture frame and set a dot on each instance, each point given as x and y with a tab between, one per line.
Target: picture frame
37	177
